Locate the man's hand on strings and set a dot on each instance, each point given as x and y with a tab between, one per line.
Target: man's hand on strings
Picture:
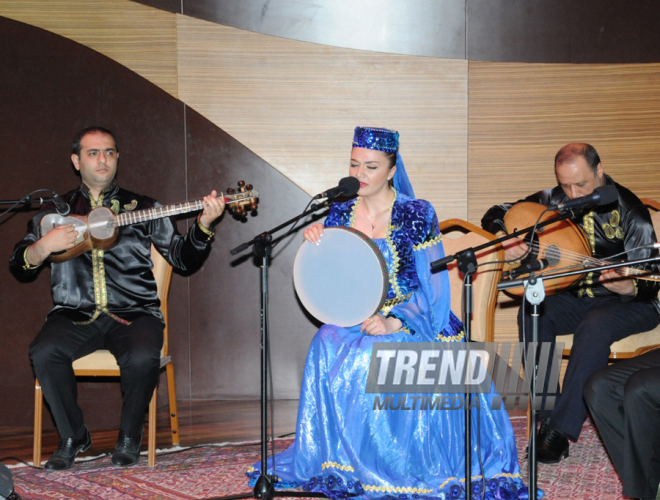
514	248
614	281
213	208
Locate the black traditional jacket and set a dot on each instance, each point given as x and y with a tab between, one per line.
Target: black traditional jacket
118	281
622	226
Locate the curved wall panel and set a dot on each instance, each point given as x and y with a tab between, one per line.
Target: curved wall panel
415	27
561	31
170	153
141	38
296	104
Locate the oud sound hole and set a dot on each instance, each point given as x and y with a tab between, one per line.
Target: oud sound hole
553	255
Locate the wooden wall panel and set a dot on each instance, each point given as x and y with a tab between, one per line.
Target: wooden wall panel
296	104
141	38
521	114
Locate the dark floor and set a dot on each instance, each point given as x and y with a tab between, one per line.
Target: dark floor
200	422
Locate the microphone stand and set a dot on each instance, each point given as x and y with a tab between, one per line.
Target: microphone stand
23	204
262	247
467	264
26	201
535	294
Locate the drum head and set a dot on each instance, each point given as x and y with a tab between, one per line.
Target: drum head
343	280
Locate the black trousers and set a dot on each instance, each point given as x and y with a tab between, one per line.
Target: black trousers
136	346
596	324
624	400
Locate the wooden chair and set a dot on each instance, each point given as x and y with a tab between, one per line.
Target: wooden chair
103	364
631	346
484	281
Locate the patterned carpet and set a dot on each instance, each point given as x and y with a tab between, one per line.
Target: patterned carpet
218	471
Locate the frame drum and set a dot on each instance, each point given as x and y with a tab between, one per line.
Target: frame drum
342	281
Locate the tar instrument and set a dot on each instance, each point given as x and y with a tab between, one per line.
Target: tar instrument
563	244
343	280
99	229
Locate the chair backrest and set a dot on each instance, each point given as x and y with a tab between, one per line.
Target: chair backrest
459	235
162	271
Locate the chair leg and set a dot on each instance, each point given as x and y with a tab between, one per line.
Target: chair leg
38	423
151	453
174	416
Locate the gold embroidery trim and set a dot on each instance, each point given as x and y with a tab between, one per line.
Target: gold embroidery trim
351	221
615	218
502	474
27	264
428	243
131	206
205	230
588	222
391	303
395	255
100	288
610	233
391	489
451	338
613	230
335	465
588	226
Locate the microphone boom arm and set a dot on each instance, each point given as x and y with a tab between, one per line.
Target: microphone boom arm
521	282
438	264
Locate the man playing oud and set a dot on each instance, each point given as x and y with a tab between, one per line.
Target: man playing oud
600	309
105	299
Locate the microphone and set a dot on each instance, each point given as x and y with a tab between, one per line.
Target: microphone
348	186
603	195
60	205
537	265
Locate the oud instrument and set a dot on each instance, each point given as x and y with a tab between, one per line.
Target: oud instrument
562	244
99	229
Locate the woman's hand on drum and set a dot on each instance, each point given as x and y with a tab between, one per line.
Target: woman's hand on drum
313	233
380	325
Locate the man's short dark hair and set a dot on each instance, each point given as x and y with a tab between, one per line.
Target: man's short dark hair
75	147
570	152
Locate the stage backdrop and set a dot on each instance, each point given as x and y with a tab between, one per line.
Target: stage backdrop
273	93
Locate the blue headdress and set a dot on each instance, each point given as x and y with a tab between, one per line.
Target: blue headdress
382	139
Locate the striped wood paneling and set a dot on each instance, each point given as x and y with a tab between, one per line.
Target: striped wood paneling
521	114
295	104
141	38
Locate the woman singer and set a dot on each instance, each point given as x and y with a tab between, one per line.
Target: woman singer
343	446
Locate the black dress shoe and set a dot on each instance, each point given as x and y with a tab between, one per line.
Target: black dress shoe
127	450
66	452
551	445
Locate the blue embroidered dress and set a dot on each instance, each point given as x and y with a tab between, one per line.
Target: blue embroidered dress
346	448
